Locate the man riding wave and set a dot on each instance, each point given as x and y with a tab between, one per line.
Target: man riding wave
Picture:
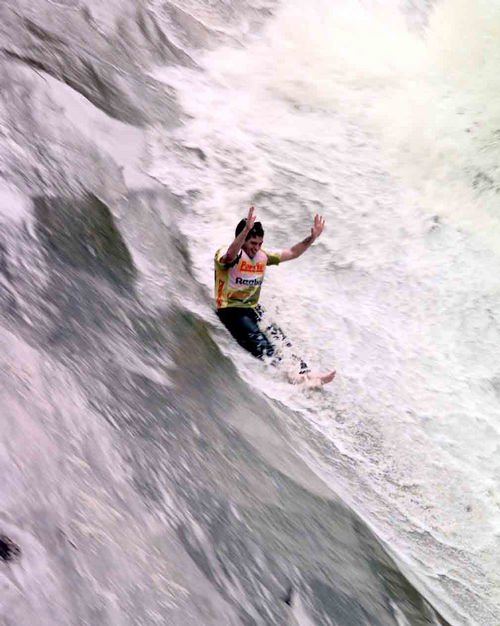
239	273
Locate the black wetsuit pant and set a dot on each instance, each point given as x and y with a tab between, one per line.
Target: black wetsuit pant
243	324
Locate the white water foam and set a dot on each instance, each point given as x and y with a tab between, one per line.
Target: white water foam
341	110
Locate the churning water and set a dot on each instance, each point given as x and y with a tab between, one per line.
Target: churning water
155	473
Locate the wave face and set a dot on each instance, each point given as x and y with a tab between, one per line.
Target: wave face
154	473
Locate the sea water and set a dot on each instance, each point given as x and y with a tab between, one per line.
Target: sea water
385	119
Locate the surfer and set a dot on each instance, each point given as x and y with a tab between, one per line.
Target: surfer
239	273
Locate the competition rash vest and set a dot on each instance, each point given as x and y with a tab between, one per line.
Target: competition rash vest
238	284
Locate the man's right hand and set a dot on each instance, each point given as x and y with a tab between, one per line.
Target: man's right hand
235	247
250	221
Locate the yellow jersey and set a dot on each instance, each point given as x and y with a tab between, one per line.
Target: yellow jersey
238	284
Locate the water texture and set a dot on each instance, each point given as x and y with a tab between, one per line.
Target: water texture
153	473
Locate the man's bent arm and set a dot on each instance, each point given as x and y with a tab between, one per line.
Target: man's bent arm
234	248
299	248
239	240
296	250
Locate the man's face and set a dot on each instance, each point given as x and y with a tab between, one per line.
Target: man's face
252	246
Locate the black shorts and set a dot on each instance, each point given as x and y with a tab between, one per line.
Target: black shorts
243	324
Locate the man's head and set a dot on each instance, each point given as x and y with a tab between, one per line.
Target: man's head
254	238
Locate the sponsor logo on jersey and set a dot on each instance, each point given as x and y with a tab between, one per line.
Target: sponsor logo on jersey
220	289
254	268
248	281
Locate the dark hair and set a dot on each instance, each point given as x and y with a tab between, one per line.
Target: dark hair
257	230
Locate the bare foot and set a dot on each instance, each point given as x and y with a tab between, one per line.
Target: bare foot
327	377
312	378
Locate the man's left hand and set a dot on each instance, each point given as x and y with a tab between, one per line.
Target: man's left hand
317	228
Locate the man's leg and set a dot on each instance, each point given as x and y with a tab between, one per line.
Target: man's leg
279	336
242	323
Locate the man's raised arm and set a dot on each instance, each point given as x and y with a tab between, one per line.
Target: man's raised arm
299	248
239	240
